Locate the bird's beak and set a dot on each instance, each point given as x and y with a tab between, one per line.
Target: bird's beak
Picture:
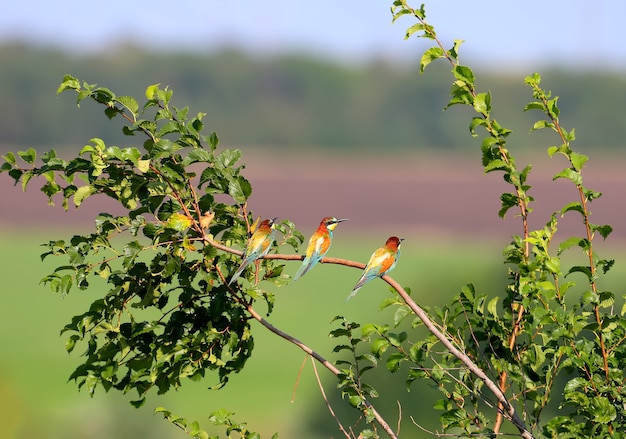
273	220
341	220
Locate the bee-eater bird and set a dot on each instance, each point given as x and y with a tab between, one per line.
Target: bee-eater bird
319	243
258	246
381	262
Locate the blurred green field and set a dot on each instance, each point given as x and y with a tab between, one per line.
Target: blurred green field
37	401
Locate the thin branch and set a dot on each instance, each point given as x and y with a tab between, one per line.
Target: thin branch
330	408
507	409
297	383
328	365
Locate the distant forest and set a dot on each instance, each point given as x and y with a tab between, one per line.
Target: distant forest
293	101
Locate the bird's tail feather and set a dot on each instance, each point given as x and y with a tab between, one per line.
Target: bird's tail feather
353	293
301	272
237	273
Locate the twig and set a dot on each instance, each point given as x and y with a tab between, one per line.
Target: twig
330	408
328	365
297	383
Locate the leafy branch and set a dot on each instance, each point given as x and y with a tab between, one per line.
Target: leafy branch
532	336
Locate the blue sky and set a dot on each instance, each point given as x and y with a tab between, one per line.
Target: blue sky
504	34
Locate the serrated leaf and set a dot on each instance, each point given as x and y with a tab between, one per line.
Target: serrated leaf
578	160
454	52
10	158
29	156
240	189
570	174
130	103
179	222
534	106
492	306
151	91
541	124
143	165
411	30
576	206
82	193
568	243
429	56
482	103
496	165
552	150
393	362
69	82
604	230
463	73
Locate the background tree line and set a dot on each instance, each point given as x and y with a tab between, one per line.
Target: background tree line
293	101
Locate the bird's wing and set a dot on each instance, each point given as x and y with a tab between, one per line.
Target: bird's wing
379	263
322	243
259	245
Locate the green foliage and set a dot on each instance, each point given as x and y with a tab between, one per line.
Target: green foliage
168	314
543	343
551	339
218	418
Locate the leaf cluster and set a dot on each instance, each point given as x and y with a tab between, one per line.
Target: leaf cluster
168	313
550	340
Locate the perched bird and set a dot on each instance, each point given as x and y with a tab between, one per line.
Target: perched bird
381	262
318	245
258	246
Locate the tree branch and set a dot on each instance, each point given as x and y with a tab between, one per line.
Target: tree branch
508	410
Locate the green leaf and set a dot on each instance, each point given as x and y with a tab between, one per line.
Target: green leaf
541	124
578	160
429	56
602	410
198	155
28	156
464	73
534	106
569	242
552	150
575	206
461	94
379	346
393	362
143	165
10	158
570	174
508	200
179	222
496	165
411	30
70	343
151	91
492	306
482	103
82	193
580	269
130	103
454	52
68	83
604	230
240	189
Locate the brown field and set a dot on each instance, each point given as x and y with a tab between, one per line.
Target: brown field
411	194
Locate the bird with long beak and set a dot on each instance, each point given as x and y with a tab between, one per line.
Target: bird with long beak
258	246
382	261
319	243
